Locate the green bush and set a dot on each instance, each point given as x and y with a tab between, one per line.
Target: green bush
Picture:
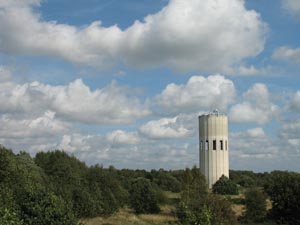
224	186
9	217
212	210
143	198
199	207
40	207
255	201
284	191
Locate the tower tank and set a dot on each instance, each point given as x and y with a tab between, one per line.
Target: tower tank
213	146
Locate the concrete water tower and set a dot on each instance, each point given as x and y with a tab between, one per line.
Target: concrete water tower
213	146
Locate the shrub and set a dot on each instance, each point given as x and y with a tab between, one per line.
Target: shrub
9	217
284	191
255	201
224	186
40	207
143	198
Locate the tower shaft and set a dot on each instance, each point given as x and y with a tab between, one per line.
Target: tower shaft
213	146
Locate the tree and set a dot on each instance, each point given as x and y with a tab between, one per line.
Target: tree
105	190
221	210
9	217
143	198
41	207
255	201
284	191
166	181
200	208
194	185
224	186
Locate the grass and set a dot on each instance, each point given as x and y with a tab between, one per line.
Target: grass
127	217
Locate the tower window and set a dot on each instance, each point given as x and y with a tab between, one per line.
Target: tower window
226	145
206	145
221	144
201	146
214	145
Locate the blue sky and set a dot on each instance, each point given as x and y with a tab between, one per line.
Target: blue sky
122	82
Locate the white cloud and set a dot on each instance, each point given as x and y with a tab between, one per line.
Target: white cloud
143	153
255	149
290	130
244	70
187	35
121	137
257	132
294	105
75	101
252	143
198	94
293	6
164	128
290	136
45	125
5	74
287	54
256	108
18	3
32	133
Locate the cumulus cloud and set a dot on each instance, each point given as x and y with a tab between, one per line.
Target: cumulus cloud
32	133
294	105
287	54
290	130
256	107
45	125
198	94
187	35
134	154
181	126
5	74
252	143
293	6
120	137
290	135
74	102
18	3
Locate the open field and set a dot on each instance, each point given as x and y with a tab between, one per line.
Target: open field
127	217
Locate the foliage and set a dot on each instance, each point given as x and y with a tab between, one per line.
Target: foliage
56	188
101	187
40	207
255	201
248	179
9	217
143	198
166	181
213	210
194	185
284	191
224	186
199	207
221	210
24	198
90	191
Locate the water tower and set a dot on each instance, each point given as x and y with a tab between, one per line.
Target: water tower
213	146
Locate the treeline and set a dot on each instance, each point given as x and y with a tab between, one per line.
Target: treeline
56	188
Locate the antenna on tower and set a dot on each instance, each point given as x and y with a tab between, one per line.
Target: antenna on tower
216	111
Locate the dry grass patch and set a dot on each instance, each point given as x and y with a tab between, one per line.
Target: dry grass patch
123	217
165	216
238	209
128	217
